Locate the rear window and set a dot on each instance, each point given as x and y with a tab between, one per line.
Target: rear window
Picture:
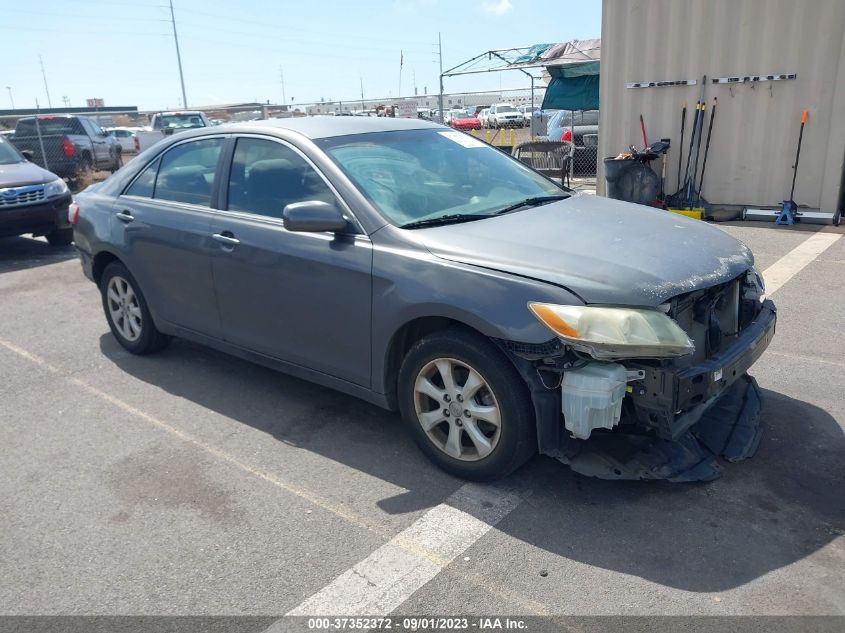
26	127
591	117
179	121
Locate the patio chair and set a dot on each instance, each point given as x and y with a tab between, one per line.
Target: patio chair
551	158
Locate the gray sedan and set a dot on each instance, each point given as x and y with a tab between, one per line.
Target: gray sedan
422	270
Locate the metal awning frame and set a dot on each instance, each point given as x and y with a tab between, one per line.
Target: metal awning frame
508	65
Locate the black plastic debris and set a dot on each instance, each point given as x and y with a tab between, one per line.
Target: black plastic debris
729	428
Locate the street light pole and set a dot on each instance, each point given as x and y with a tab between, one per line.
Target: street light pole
178	56
11	98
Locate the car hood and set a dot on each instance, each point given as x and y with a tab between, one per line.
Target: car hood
603	250
18	174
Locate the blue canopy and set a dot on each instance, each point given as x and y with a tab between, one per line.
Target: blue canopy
573	86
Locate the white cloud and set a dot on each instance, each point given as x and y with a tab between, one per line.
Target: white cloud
498	7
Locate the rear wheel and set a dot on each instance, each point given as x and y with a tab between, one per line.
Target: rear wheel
118	159
127	313
84	169
466	405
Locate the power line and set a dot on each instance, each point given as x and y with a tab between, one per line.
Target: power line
288	28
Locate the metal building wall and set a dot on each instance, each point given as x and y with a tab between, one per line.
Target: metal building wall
756	128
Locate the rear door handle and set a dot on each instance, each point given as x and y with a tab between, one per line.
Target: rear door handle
125	216
226	238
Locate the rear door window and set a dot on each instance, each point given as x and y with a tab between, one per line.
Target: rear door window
144	185
186	173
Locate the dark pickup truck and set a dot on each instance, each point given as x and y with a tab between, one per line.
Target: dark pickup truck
32	200
72	145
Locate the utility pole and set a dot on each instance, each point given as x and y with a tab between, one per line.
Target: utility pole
11	98
46	88
178	56
401	63
282	77
440	97
361	79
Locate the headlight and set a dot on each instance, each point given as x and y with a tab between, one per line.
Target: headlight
55	188
606	333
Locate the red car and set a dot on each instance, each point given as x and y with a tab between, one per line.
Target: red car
465	122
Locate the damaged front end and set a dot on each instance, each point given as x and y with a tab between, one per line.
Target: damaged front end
670	417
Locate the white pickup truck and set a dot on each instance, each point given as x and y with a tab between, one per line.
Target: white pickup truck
167	123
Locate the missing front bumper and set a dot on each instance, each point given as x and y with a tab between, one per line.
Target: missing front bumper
679	420
729	429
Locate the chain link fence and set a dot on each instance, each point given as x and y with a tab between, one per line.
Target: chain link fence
73	148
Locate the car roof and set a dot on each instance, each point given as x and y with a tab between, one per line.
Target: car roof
315	127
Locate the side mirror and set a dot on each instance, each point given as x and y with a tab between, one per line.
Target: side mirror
28	155
314	216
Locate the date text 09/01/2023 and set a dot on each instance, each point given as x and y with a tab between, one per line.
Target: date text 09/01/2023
416	623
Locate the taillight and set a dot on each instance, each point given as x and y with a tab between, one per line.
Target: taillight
73	213
68	148
566	136
137	143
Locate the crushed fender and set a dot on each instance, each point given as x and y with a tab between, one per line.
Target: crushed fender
730	428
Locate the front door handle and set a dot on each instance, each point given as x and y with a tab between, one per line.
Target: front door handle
125	217
226	238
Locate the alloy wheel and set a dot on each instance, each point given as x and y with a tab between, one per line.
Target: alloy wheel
124	309
457	409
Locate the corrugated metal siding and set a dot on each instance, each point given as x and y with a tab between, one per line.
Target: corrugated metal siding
756	128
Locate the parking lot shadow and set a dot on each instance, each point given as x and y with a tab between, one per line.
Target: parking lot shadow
296	412
20	253
777	508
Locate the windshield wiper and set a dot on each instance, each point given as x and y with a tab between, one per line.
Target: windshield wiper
451	218
530	202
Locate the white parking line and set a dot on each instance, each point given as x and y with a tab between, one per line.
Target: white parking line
795	260
387	577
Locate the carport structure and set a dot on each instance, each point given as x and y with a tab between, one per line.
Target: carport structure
573	68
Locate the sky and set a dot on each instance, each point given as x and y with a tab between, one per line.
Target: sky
238	51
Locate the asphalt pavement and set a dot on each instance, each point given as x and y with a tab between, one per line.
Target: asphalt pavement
193	483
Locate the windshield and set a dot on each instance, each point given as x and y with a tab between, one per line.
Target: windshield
460	114
505	108
411	175
179	121
8	154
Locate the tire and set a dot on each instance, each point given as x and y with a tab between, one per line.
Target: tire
83	168
118	160
60	237
135	331
457	447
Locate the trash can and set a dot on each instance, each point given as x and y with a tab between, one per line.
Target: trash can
630	180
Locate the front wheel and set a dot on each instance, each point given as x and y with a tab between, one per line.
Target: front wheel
466	406
127	313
